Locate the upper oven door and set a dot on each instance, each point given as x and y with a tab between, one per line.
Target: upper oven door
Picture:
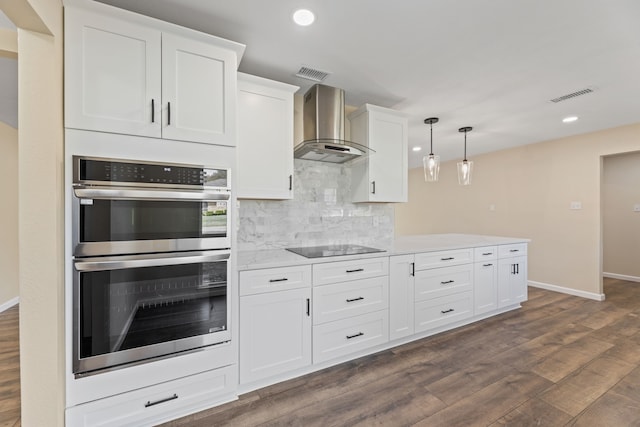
124	220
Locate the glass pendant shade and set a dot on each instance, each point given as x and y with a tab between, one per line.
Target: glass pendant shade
431	167
431	162
465	169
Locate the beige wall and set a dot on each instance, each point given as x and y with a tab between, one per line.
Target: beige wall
8	213
40	132
621	225
531	188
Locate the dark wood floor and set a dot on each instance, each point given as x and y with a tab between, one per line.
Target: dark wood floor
9	369
558	361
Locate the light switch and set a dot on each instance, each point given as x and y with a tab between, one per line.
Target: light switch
575	206
636	207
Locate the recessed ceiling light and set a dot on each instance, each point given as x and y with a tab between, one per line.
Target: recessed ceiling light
303	17
417	148
569	119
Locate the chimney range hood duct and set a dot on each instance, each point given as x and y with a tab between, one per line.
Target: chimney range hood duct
324	128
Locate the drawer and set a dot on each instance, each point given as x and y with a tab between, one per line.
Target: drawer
274	279
439	282
155	404
508	251
342	337
443	258
346	299
342	271
442	311
485	253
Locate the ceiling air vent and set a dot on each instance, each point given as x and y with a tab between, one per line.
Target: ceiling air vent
572	95
312	74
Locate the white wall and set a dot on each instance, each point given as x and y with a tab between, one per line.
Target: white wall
531	188
9	288
621	225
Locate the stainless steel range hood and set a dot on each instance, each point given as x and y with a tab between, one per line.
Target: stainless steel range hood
324	128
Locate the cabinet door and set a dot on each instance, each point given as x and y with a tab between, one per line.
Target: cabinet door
485	286
275	333
198	91
112	75
382	177
265	138
512	281
401	301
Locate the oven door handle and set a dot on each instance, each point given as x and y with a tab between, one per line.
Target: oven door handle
138	261
125	193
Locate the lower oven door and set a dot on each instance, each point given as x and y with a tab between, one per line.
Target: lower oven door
131	308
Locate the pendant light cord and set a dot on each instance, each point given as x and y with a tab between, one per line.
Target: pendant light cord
465	146
431	131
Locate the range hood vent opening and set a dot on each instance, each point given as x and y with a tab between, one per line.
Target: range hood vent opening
323	124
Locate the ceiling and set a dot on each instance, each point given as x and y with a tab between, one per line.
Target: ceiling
490	64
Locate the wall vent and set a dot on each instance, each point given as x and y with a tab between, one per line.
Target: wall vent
572	95
312	74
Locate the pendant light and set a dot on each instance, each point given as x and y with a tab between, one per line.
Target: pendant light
465	167
431	163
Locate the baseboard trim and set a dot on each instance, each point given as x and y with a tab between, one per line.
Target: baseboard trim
7	305
569	291
621	277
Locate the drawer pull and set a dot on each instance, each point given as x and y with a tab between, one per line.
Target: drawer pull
356	270
157	402
284	279
487	253
355	299
447	259
447	311
487	265
447	282
514	250
359	334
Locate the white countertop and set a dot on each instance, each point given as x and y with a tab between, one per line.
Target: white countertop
272	258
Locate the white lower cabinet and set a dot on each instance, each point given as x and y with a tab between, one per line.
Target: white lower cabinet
437	312
401	299
340	338
159	403
485	280
512	281
275	326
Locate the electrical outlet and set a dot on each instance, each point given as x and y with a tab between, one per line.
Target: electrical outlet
575	206
636	207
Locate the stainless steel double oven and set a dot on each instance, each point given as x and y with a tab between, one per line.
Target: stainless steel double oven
151	244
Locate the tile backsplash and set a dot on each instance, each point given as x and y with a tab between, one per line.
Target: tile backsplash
321	213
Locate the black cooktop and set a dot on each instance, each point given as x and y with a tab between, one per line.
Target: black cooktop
333	250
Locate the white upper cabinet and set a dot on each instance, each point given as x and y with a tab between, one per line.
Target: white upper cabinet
382	176
265	138
125	77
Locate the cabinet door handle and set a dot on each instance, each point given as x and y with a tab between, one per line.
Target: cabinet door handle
447	311
373	185
290	182
517	268
356	270
354	299
513	269
447	282
447	259
157	402
413	268
168	114
308	307
359	334
153	110
487	265
284	279
514	250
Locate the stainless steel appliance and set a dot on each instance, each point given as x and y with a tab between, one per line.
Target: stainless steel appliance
151	250
333	250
